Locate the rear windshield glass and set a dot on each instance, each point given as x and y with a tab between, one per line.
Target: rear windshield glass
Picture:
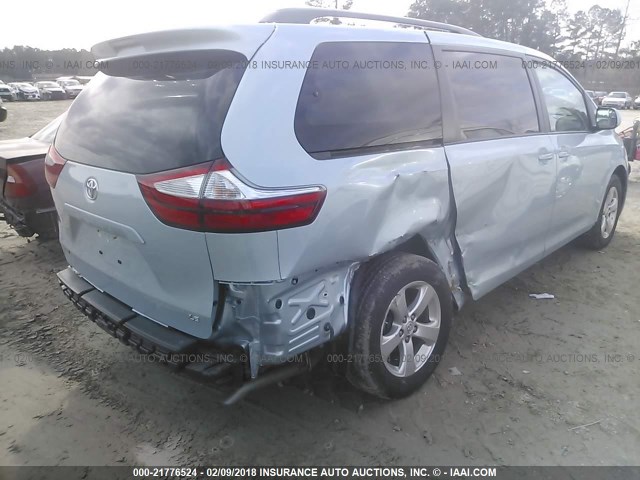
152	114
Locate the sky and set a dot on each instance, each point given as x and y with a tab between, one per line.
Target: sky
55	25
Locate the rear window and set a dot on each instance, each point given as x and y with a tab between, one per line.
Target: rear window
367	97
154	113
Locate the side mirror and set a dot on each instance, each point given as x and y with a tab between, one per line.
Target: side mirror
3	114
607	118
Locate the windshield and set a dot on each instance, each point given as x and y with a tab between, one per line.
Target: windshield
48	133
617	95
68	83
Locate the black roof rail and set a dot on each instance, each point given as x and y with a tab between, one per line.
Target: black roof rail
308	15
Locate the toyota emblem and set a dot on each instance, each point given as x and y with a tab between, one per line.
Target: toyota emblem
91	188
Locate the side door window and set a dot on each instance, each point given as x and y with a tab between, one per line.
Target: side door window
565	104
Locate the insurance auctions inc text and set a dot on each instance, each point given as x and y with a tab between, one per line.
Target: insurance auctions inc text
376	472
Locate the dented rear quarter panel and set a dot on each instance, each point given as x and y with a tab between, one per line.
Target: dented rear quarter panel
373	202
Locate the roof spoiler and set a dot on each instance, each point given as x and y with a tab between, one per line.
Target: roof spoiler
245	39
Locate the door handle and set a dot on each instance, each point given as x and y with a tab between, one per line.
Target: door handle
563	154
545	157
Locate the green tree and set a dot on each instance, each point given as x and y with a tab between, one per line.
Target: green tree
527	22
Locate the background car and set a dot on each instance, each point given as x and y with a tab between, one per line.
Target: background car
7	93
25	198
50	91
25	91
71	87
620	100
599	95
3	112
636	102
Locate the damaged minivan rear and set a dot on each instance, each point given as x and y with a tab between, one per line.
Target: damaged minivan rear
238	200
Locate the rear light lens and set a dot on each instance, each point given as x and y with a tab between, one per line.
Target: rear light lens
53	165
19	183
211	198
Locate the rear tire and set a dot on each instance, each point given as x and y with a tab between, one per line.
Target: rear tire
405	310
603	230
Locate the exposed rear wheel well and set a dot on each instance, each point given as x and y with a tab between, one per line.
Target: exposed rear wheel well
418	246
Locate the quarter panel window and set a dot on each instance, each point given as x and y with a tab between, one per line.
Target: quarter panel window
365	97
565	105
492	95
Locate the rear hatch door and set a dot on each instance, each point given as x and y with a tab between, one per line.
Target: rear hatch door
158	105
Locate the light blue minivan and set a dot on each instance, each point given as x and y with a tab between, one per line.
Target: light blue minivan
241	199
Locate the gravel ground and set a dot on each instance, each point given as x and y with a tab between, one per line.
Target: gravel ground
542	382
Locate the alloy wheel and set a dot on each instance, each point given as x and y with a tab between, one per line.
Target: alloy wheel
609	213
410	329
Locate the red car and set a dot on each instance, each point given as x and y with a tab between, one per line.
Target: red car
631	139
25	198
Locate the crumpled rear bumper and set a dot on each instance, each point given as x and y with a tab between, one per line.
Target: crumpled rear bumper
167	345
121	322
257	325
154	341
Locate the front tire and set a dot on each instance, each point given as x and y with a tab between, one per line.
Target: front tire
401	325
603	230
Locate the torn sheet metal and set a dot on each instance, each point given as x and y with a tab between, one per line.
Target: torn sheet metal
373	205
277	321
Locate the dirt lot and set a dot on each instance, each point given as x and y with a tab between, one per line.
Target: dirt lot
534	373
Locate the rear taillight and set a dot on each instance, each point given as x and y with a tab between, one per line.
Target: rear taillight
53	165
19	183
211	198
